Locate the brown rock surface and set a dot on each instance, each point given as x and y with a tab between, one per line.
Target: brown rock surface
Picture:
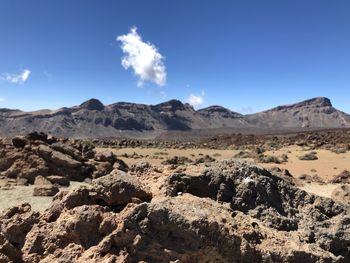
119	189
40	180
45	190
60	180
343	177
227	211
37	155
342	194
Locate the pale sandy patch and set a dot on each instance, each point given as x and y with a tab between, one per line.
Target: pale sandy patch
326	167
324	190
157	155
24	194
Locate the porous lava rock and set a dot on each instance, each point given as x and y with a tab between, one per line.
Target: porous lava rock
232	211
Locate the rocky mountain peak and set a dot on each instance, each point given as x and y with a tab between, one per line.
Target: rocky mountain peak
317	102
92	104
93	119
219	110
171	105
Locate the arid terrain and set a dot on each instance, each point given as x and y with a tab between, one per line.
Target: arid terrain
227	198
174	131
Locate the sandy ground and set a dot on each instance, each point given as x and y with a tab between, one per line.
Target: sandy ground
326	167
24	194
324	190
156	156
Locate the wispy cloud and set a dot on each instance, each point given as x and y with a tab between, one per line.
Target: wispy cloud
16	78
195	99
143	57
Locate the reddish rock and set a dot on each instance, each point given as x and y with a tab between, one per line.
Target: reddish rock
45	190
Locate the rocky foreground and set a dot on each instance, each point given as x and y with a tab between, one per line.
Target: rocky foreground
50	162
227	211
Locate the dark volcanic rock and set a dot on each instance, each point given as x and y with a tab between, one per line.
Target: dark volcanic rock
37	136
19	142
171	105
272	200
92	104
219	111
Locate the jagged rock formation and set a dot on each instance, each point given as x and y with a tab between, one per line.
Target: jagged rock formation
55	160
232	211
93	119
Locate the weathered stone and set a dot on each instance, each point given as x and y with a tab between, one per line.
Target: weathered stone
15	223
106	157
21	181
40	180
140	167
64	160
56	179
118	189
36	136
19	142
342	194
120	165
66	149
45	190
231	211
102	169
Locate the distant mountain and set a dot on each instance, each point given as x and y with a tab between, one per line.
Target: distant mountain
93	119
313	113
220	117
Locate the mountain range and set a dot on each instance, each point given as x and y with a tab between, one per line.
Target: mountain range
93	119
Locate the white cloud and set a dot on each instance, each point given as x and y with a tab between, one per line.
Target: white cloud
195	100
143	58
16	78
2	99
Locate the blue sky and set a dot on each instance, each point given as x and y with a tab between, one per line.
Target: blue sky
246	55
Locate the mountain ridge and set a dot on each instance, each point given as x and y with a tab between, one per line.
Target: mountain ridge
94	119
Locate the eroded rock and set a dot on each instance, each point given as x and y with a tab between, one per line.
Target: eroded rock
232	211
119	189
342	194
40	155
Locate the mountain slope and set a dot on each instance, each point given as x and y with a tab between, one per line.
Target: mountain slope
93	119
221	117
313	113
